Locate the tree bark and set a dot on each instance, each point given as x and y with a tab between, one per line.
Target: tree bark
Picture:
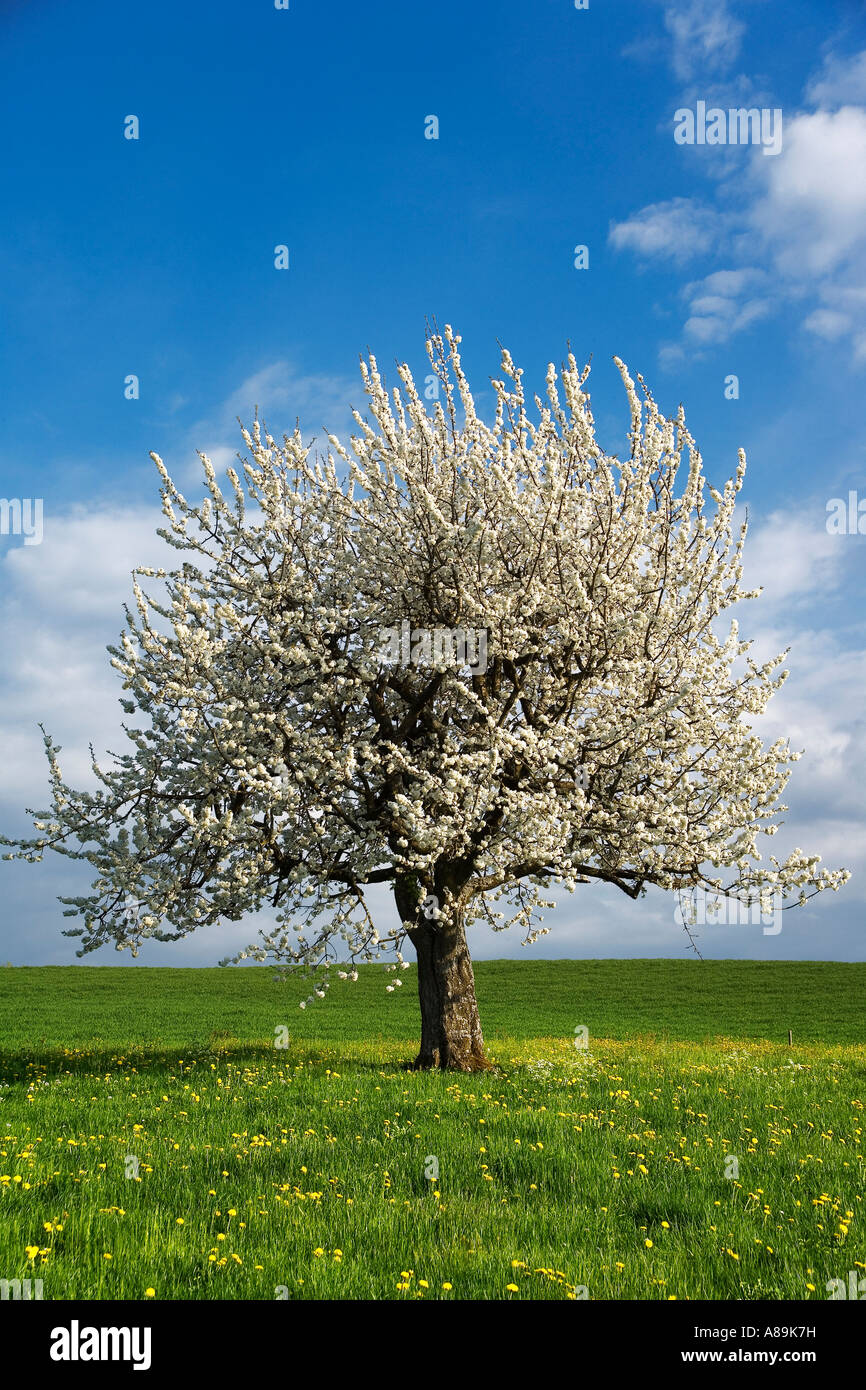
451	1037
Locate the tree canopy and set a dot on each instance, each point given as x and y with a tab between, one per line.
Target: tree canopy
475	661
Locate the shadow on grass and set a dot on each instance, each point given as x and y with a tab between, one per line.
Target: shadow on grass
676	1214
50	1061
543	1057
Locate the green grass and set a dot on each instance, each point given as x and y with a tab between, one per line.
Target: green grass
311	1162
687	1000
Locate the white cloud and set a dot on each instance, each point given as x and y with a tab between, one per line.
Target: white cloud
828	323
63	604
719	306
844	313
321	404
727	283
85	560
714	318
679	229
792	557
705	37
842	80
796	222
812	211
805	573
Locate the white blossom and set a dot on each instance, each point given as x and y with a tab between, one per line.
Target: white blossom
280	763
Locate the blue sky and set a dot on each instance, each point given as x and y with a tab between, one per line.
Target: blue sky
306	127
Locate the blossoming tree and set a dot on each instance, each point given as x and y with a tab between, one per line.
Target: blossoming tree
288	755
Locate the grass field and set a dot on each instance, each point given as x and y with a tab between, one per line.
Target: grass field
154	1142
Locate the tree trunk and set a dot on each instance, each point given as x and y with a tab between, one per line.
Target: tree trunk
450	1027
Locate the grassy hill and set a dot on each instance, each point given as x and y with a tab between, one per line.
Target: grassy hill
689	1000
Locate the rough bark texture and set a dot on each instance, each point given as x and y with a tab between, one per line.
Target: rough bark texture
450	1027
